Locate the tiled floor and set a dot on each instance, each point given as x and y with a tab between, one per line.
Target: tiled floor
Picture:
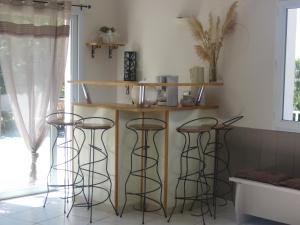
29	211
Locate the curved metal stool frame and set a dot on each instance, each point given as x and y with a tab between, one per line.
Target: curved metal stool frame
198	176
142	152
221	164
89	167
70	154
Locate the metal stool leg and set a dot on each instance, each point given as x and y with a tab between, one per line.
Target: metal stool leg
159	178
186	156
186	173
227	151
150	162
91	173
194	153
129	175
63	120
95	155
107	173
179	178
51	168
145	175
79	174
204	186
221	166
215	176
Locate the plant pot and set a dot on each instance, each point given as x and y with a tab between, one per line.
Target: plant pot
110	37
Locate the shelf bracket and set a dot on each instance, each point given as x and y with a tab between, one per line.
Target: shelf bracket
110	48
200	94
93	51
141	95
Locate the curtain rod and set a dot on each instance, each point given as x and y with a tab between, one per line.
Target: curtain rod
81	6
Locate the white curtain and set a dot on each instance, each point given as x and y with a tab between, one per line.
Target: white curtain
33	52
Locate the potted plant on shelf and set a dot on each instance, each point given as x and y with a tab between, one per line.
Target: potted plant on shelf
210	41
108	34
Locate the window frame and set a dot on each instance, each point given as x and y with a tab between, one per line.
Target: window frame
77	56
76	14
279	81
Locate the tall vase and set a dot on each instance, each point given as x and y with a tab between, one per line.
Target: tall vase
213	71
196	76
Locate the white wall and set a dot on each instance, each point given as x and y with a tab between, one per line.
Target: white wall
102	13
249	61
166	47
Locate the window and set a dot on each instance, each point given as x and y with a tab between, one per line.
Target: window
287	86
292	62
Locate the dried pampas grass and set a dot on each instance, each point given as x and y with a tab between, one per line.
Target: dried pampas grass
210	41
230	21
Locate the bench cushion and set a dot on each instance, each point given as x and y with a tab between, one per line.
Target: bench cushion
263	176
291	183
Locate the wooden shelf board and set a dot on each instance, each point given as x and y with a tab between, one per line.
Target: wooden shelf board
100	45
104	82
134	83
135	108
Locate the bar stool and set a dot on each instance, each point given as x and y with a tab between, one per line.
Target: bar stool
148	128
221	163
98	156
198	131
64	122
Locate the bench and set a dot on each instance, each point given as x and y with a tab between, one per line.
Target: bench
267	201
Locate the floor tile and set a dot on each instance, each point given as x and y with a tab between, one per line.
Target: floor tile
10	221
7	209
62	220
178	219
129	218
36	215
30	211
99	212
259	221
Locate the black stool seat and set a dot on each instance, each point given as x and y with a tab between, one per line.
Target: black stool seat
223	127
152	127
62	122
195	129
94	126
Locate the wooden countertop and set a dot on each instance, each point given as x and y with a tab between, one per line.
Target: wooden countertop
134	83
135	108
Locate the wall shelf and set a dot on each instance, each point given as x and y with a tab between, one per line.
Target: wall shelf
135	83
111	46
135	108
142	86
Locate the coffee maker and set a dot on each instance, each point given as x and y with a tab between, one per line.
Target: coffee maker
168	95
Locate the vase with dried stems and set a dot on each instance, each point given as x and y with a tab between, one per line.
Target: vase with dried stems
210	41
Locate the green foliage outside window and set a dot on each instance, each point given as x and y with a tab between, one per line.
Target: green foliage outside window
62	92
2	86
297	86
3	90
